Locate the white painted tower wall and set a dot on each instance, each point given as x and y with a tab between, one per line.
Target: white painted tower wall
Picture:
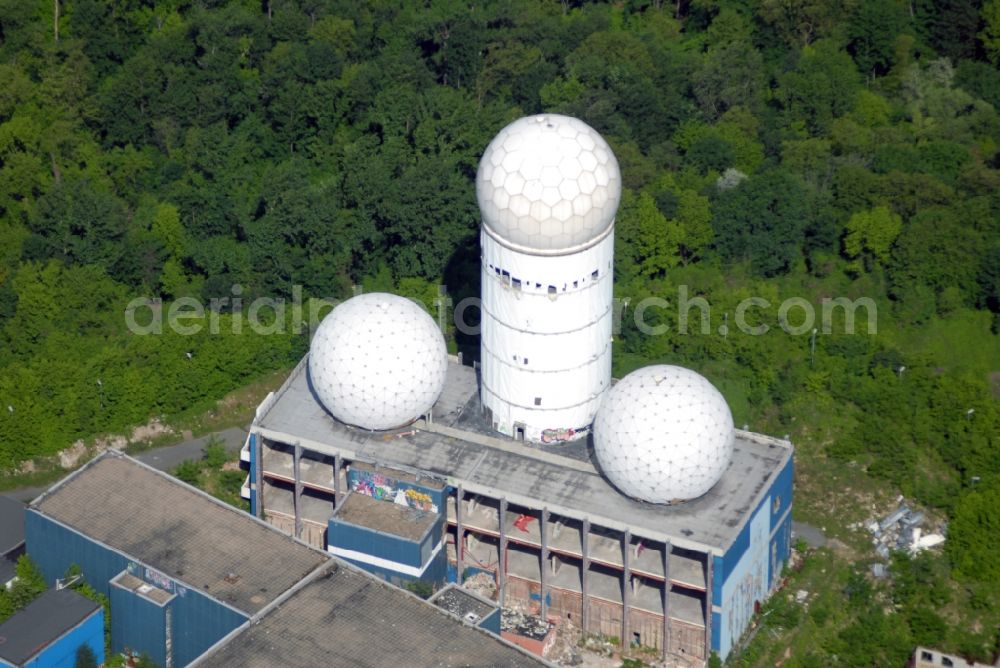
546	337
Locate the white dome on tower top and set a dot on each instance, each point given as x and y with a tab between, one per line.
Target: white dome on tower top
548	184
664	434
378	361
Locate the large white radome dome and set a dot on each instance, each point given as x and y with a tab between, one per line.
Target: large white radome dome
548	184
378	361
664	434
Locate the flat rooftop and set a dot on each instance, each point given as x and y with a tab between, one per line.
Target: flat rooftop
460	450
11	524
179	531
42	622
460	602
387	517
346	618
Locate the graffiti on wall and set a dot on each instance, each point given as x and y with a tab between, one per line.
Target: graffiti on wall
556	435
746	586
383	488
155	578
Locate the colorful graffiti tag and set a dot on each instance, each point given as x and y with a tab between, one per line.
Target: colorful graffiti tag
378	486
554	435
155	578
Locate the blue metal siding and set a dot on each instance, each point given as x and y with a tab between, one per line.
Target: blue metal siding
716	631
253	474
780	550
745	574
138	625
199	621
360	539
491	622
55	548
62	653
431	540
781	491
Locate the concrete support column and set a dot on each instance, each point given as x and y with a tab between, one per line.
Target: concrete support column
626	588
297	477
502	564
584	579
543	526
258	473
665	640
336	482
708	605
459	535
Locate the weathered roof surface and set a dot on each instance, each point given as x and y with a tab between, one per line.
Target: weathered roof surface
41	622
346	618
11	524
392	518
173	528
560	478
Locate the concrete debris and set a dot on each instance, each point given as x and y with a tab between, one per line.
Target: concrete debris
929	541
516	621
880	571
801	596
482	584
901	530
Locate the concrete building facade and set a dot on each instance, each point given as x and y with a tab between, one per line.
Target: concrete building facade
559	540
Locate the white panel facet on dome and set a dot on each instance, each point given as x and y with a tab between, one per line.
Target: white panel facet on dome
378	361
548	184
664	434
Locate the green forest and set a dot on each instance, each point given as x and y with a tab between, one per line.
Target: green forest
776	149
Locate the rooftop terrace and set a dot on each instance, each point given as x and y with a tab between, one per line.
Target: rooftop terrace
458	447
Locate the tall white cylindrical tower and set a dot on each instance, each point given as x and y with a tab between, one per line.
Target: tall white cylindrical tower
548	188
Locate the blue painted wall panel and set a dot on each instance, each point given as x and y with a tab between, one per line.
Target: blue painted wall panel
62	653
716	631
199	621
747	568
253	474
361	539
138	626
55	548
491	622
435	573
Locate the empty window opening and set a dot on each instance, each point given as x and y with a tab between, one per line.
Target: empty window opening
525	360
594	274
945	661
926	656
506	277
497	269
519	431
517	283
538	401
576	284
552	289
636	638
538	286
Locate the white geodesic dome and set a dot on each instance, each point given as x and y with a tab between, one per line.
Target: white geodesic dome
378	361
548	184
664	434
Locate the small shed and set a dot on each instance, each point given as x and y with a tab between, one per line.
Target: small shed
49	631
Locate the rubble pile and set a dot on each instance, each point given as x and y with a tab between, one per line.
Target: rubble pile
900	530
517	621
482	584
